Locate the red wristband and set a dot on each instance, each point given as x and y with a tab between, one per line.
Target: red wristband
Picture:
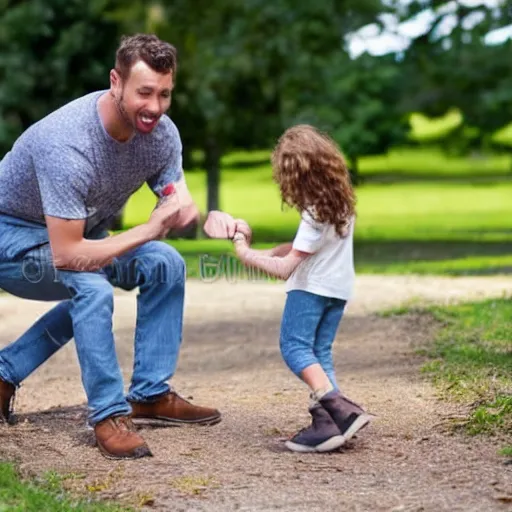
168	190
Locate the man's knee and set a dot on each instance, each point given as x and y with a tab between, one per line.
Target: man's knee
163	263
88	285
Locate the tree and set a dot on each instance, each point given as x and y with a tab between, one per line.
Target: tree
360	108
457	68
247	70
51	51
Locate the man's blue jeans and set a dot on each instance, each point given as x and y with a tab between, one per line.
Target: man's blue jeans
85	313
308	329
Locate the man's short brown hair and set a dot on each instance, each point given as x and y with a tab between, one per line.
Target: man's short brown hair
157	54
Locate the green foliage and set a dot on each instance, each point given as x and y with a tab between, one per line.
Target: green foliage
46	495
248	70
425	129
457	69
360	106
51	52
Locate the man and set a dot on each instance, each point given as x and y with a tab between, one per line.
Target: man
64	179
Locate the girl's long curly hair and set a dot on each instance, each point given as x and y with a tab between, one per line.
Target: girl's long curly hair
313	176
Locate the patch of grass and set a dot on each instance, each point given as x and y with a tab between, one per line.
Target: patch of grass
492	416
55	482
506	451
472	361
45	495
193	485
107	480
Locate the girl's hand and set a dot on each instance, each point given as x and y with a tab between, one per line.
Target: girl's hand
242	227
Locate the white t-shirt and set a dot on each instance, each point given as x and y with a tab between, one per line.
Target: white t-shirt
330	270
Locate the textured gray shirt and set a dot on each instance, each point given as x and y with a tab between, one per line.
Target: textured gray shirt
66	165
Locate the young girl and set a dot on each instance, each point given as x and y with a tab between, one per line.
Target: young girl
318	267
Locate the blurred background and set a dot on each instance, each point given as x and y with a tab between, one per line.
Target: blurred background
418	94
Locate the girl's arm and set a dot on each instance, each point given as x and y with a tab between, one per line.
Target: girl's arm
278	250
269	261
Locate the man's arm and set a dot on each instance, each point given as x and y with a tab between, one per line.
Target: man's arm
71	251
274	265
178	194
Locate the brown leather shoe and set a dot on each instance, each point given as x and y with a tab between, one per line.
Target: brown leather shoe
172	409
7	391
117	439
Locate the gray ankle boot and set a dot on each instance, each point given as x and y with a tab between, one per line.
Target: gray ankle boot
321	436
348	416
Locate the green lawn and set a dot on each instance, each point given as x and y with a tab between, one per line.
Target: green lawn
471	361
433	165
434	226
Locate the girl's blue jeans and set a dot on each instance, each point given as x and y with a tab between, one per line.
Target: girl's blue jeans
308	329
85	310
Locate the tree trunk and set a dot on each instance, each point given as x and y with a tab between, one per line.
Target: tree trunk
354	170
212	156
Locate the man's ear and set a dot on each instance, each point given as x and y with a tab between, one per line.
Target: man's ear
115	79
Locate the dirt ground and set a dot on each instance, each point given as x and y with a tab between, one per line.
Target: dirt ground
406	460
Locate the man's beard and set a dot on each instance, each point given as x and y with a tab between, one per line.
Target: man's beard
123	112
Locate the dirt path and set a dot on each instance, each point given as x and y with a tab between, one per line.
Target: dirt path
405	461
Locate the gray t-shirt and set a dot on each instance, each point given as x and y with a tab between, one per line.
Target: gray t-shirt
67	166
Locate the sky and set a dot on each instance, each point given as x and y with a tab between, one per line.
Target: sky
396	36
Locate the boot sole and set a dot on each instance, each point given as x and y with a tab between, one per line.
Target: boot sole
108	455
362	421
160	421
333	443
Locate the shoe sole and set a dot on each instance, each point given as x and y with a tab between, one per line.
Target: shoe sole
362	421
333	443
160	421
109	456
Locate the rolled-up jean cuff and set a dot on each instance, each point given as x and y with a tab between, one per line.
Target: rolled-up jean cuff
118	410
148	400
5	375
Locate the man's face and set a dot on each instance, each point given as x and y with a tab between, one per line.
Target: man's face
143	97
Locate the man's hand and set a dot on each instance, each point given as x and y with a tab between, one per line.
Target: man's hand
219	225
174	212
164	217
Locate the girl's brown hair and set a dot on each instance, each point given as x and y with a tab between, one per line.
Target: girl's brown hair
313	176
